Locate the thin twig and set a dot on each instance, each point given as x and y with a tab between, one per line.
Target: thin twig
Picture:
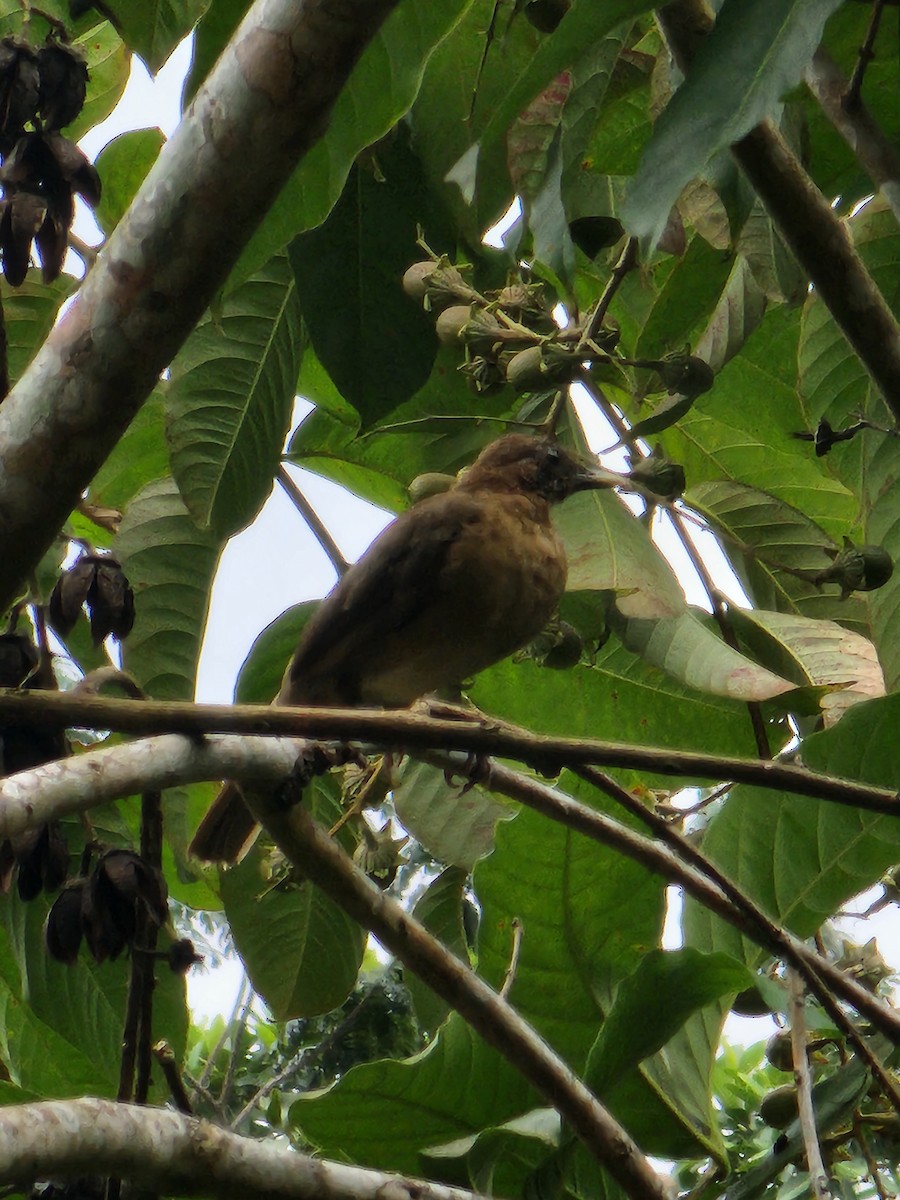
239	1027
510	977
230	1024
625	263
818	1176
313	520
866	54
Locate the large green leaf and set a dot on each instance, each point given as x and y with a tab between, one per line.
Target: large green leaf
123	164
29	312
687	648
154	28
373	340
380	90
756	52
384	1113
170	564
63	1025
139	456
302	952
109	66
231	397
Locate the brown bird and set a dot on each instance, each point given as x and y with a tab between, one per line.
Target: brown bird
450	587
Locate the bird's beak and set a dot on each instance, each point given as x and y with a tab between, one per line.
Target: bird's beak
591	476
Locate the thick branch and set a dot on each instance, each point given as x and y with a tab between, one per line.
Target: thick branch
182	1155
416	731
267	101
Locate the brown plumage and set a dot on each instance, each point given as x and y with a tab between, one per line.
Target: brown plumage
450	587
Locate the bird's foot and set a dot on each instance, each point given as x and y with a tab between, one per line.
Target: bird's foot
473	769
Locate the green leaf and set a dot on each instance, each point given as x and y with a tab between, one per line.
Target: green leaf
231	397
688	649
800	858
638	1026
154	28
827	655
586	914
757	51
29	313
619	697
440	909
123	164
170	564
301	951
139	456
109	65
454	822
373	340
683	301
63	1025
380	90
262	670
762	534
608	549
384	1113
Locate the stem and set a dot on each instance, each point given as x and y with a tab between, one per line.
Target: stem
313	520
818	1176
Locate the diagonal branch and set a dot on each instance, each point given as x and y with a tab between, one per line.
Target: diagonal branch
266	103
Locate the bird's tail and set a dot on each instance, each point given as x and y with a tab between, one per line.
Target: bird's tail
227	831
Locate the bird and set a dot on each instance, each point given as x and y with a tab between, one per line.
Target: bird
453	585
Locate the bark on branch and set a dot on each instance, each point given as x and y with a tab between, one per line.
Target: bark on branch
265	104
181	1155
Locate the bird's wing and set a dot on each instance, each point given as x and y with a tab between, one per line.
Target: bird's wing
397	579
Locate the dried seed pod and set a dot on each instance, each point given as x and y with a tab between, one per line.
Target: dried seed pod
486	377
63	84
42	856
63	929
593	234
18	658
685	374
99	582
19	85
182	956
119	885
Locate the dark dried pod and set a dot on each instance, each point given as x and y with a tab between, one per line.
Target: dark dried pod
63	84
70	593
19	85
42	856
100	583
111	602
182	956
75	168
486	377
21	217
120	885
18	658
63	930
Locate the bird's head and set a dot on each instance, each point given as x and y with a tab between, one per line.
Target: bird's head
518	462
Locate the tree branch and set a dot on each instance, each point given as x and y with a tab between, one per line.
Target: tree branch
265	104
390	729
182	1155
